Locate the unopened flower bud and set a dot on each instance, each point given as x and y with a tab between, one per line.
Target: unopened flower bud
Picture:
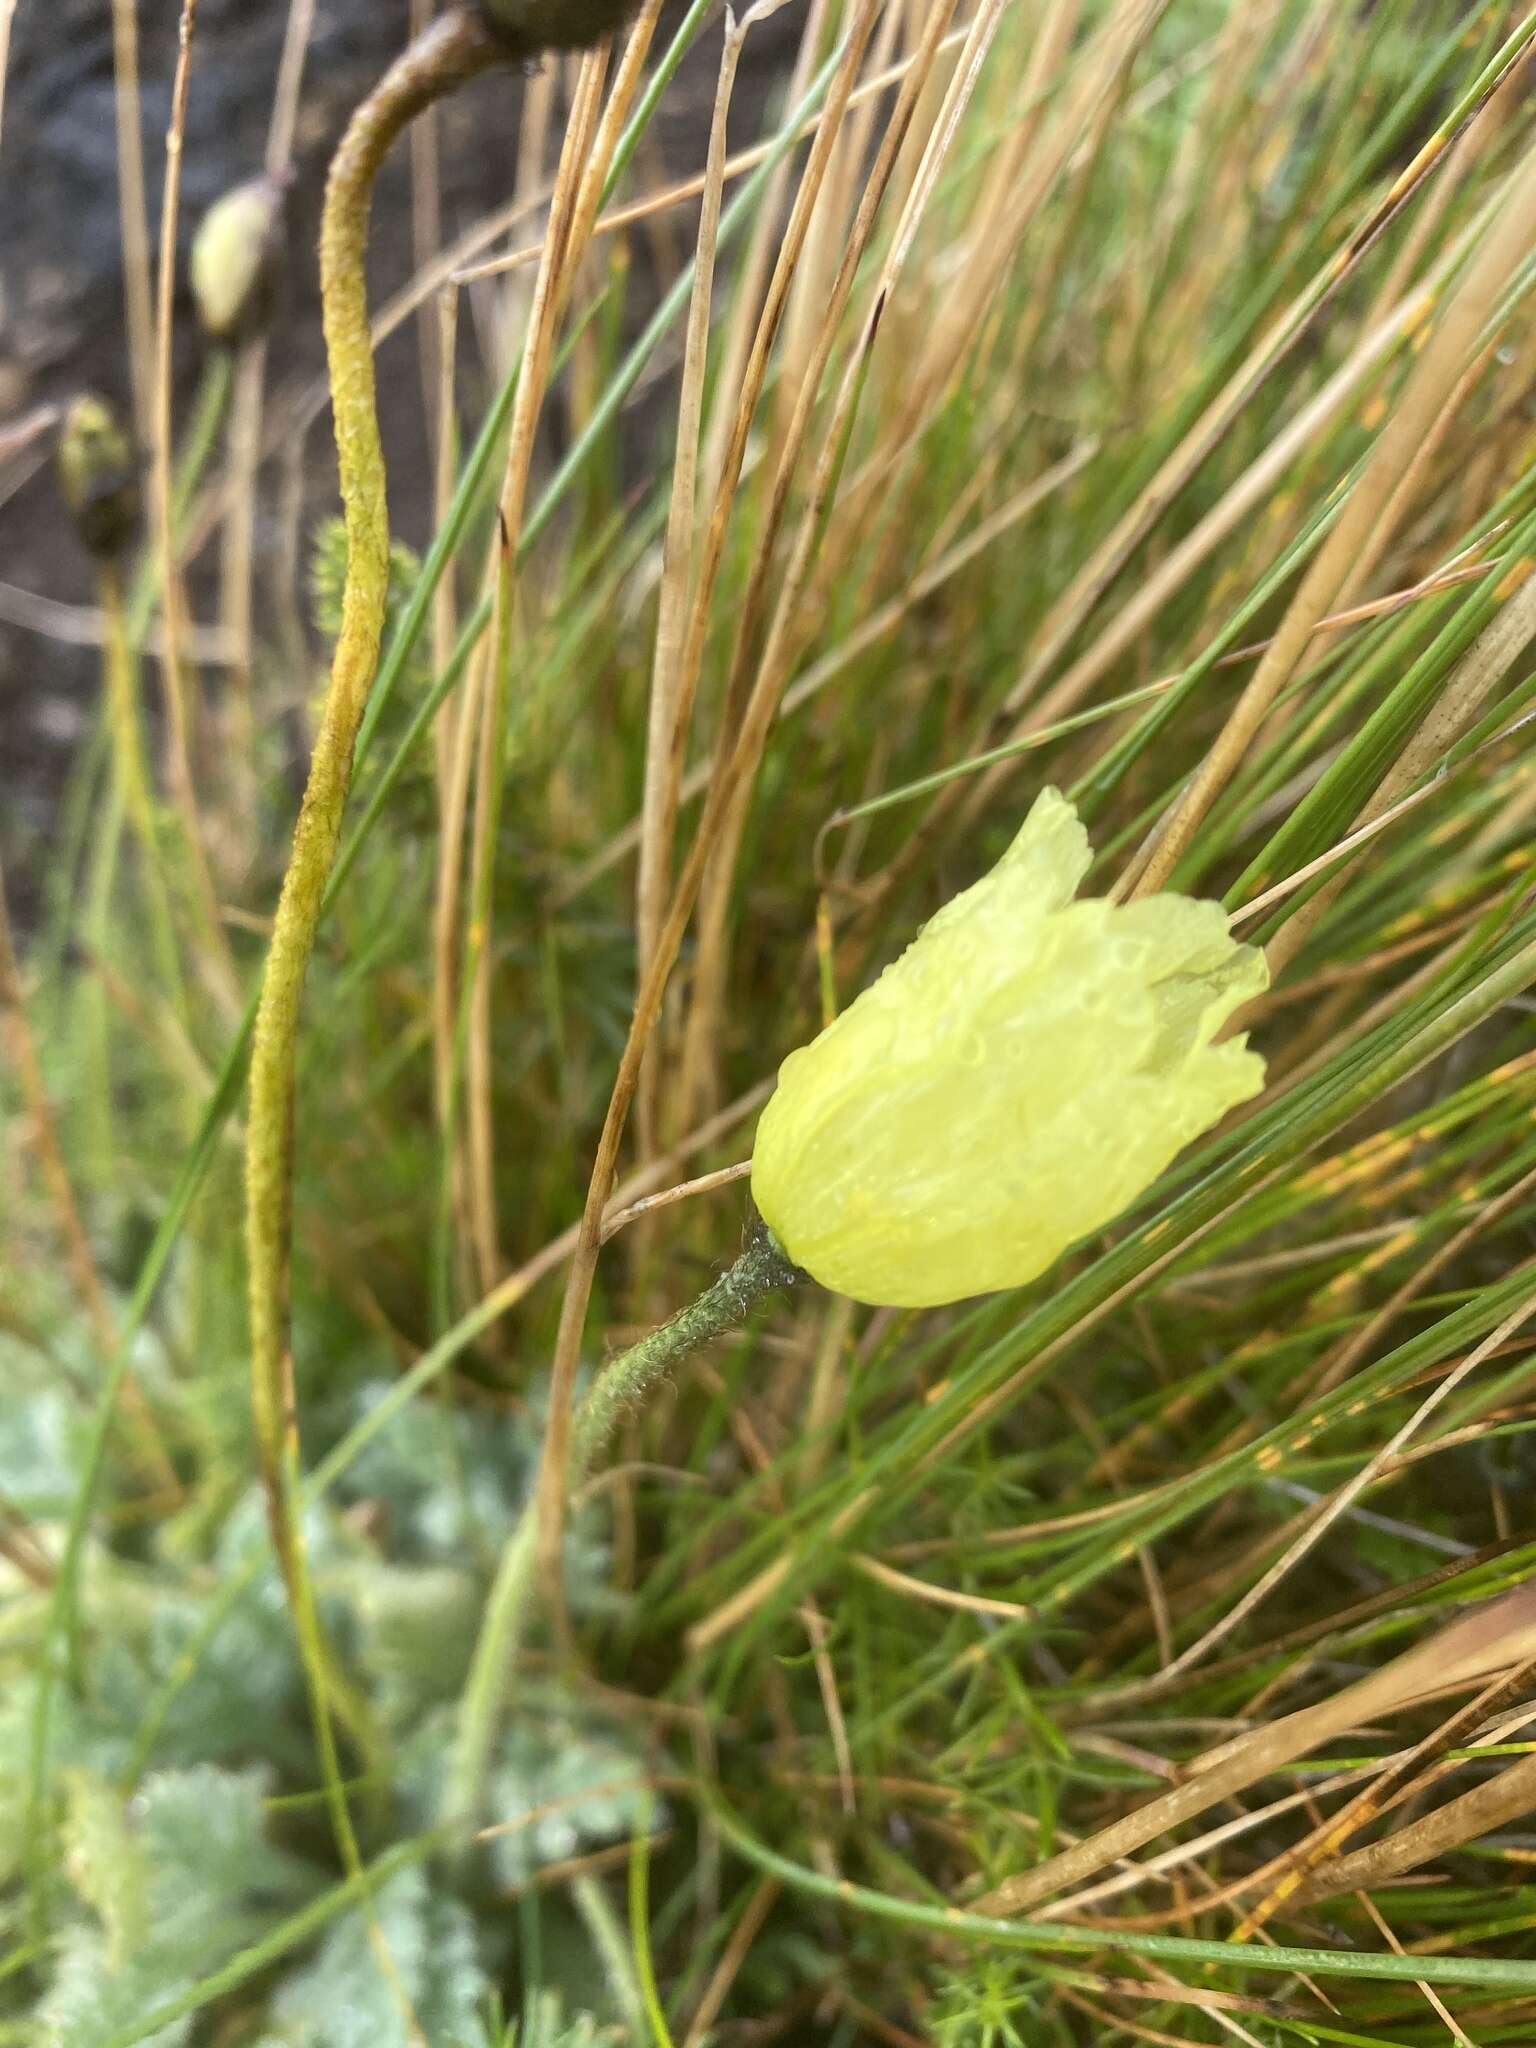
98	473
234	259
532	26
1016	1079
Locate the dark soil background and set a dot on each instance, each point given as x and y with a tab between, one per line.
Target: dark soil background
61	297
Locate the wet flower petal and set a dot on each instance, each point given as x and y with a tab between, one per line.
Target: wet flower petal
1022	1073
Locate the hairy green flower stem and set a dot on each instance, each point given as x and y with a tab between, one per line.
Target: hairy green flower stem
457	47
622	1385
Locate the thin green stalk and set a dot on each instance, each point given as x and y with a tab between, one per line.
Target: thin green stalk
951	1923
640	1926
208	410
98	1104
619	1389
132	775
591	1901
137	610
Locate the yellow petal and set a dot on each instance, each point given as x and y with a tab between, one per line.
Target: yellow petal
1019	1076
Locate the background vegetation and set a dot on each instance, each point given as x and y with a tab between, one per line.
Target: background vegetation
1134	395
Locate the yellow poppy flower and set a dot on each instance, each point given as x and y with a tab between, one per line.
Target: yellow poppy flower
1018	1077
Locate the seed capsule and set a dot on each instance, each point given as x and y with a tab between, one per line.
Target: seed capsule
1019	1076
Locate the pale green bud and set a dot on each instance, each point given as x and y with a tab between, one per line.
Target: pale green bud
234	259
1016	1079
